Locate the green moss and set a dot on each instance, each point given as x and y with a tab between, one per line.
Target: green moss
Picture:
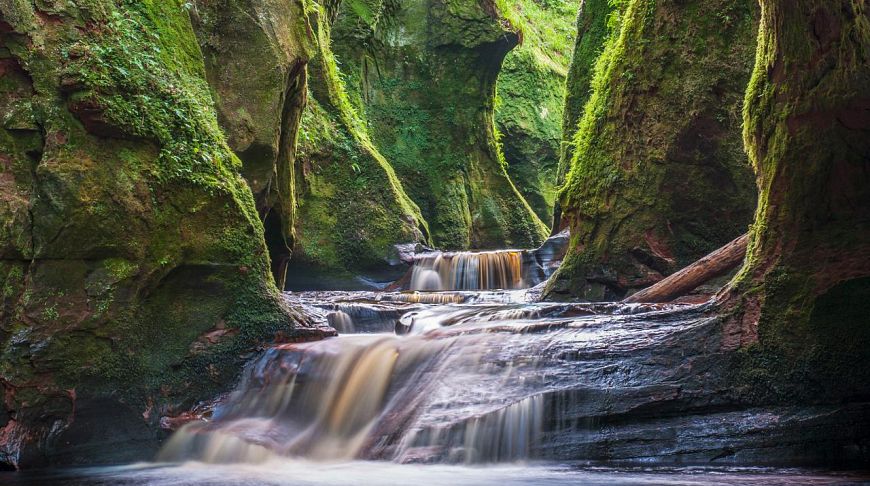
651	189
801	291
530	95
427	98
14	280
139	233
808	354
120	269
147	87
597	21
352	207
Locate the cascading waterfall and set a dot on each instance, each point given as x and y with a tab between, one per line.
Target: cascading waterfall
468	271
469	382
461	374
350	396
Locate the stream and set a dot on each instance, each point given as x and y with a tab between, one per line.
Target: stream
466	379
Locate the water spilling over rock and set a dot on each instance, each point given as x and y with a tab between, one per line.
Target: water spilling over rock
383	396
490	378
468	271
483	270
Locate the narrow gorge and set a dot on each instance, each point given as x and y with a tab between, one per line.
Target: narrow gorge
434	242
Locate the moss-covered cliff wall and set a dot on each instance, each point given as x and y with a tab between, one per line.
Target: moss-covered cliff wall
659	176
801	296
134	272
424	81
331	204
530	97
255	54
353	208
596	21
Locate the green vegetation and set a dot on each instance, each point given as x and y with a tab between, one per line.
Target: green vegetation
353	207
162	160
128	232
530	97
799	297
424	81
596	22
658	176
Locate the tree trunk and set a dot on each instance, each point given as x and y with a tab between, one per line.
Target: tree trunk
711	266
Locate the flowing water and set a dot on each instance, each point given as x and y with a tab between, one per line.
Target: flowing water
410	381
465	380
305	473
468	271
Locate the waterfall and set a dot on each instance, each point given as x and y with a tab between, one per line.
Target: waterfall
336	400
297	401
471	382
385	396
468	271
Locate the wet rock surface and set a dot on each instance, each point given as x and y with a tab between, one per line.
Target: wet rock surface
481	270
492	378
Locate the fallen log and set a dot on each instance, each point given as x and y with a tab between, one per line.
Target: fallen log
681	283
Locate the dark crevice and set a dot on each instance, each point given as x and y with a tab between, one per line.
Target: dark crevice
278	212
276	243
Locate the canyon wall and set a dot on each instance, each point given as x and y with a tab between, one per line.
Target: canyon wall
597	20
135	275
353	208
424	81
799	304
530	96
658	176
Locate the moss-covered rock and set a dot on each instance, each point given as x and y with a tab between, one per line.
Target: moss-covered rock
659	176
799	306
255	55
530	97
422	74
135	276
353	209
597	20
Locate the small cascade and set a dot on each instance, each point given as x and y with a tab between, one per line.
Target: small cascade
485	270
341	321
428	297
471	382
297	400
468	271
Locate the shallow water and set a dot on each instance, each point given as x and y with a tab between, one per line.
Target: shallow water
303	473
485	387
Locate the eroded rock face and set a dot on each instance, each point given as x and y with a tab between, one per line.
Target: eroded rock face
352	207
597	20
126	233
531	97
424	78
255	54
659	177
799	304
